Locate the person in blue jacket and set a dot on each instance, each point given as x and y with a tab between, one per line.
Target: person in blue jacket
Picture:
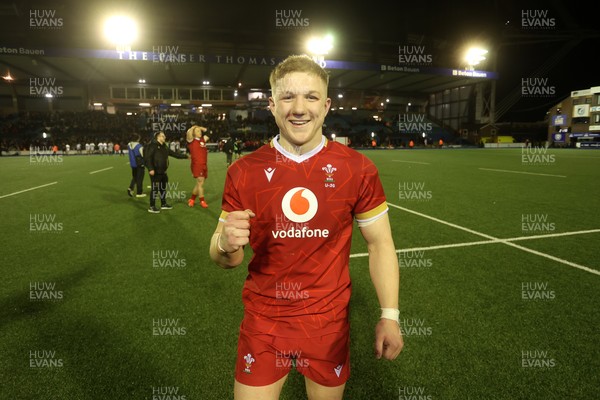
136	161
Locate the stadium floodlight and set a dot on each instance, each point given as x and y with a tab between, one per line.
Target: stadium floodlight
474	56
320	46
121	31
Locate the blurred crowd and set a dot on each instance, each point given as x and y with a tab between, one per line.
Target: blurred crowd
73	130
101	131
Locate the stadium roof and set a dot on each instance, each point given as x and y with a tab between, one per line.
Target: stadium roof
221	70
240	40
223	49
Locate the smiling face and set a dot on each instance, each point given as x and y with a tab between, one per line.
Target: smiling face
299	105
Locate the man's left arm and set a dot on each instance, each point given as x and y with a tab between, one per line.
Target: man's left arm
383	267
178	154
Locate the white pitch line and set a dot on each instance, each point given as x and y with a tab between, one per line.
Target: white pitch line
481	242
521	172
560	260
412	162
504	241
27	190
552	235
438	247
444	222
100	170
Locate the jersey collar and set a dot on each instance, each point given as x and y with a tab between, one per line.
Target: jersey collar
294	157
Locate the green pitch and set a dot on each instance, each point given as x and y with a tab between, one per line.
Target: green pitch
500	281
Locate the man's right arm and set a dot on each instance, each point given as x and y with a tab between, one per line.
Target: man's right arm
189	135
230	237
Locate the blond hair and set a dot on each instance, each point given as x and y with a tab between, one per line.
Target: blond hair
297	63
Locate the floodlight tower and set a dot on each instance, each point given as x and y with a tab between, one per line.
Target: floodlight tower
121	31
319	47
474	56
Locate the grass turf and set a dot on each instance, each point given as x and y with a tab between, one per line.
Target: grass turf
469	330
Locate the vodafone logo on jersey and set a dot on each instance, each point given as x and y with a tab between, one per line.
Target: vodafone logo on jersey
299	205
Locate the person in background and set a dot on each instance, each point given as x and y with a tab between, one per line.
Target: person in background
196	143
135	151
156	158
228	148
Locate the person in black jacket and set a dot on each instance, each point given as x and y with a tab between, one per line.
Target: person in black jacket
156	157
228	149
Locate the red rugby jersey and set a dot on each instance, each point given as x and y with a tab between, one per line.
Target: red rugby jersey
198	151
298	282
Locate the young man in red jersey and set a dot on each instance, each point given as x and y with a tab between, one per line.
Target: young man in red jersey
294	201
196	142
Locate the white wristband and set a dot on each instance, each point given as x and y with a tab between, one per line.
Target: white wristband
391	313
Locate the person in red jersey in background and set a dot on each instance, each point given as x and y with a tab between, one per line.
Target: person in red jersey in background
196	142
294	201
